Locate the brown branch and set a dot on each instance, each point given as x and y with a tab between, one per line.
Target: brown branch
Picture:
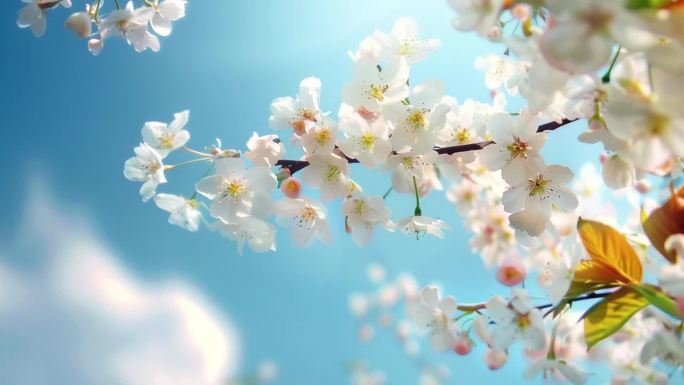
480	306
296	165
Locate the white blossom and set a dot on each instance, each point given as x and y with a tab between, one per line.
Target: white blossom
416	124
418	225
306	220
550	367
516	147
264	150
435	314
329	173
258	234
366	141
237	192
403	41
165	12
516	319
147	167
363	214
298	114
165	138
372	88
184	212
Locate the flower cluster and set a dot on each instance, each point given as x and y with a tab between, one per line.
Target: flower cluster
127	22
614	65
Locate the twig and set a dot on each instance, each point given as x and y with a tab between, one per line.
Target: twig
297	165
480	306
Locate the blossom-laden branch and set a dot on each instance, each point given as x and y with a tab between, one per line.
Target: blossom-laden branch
521	211
296	165
129	23
475	307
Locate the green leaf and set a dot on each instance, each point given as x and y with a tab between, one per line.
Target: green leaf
658	299
647	4
611	313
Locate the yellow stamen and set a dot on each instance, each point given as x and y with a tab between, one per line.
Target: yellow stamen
416	119
518	149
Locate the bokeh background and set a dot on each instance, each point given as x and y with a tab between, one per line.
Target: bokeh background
96	287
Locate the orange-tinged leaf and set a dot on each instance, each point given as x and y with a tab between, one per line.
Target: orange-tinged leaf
611	313
665	221
613	260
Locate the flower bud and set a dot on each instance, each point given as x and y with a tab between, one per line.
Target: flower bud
80	23
617	173
291	187
462	345
511	272
495	359
521	11
643	186
679	301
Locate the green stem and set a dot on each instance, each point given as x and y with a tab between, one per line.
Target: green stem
97	11
606	77
389	190
417	211
195	152
118	6
191	161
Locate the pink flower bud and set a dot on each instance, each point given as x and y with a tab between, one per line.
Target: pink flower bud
366	333
643	186
679	301
511	272
462	345
603	157
291	187
494	33
495	359
521	11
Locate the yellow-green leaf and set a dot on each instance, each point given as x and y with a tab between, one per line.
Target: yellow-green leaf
658	299
610	314
613	260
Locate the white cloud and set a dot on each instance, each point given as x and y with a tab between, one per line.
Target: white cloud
70	313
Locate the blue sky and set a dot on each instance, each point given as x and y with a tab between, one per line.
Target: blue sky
73	119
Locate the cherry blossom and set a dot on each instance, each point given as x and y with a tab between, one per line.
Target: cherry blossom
516	148
329	173
516	319
551	366
184	212
435	314
264	150
298	114
34	13
418	225
404	42
366	141
165	138
258	234
417	123
306	219
146	167
372	88
363	214
237	192
531	201
165	12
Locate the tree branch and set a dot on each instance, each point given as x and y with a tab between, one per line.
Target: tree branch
297	165
482	306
